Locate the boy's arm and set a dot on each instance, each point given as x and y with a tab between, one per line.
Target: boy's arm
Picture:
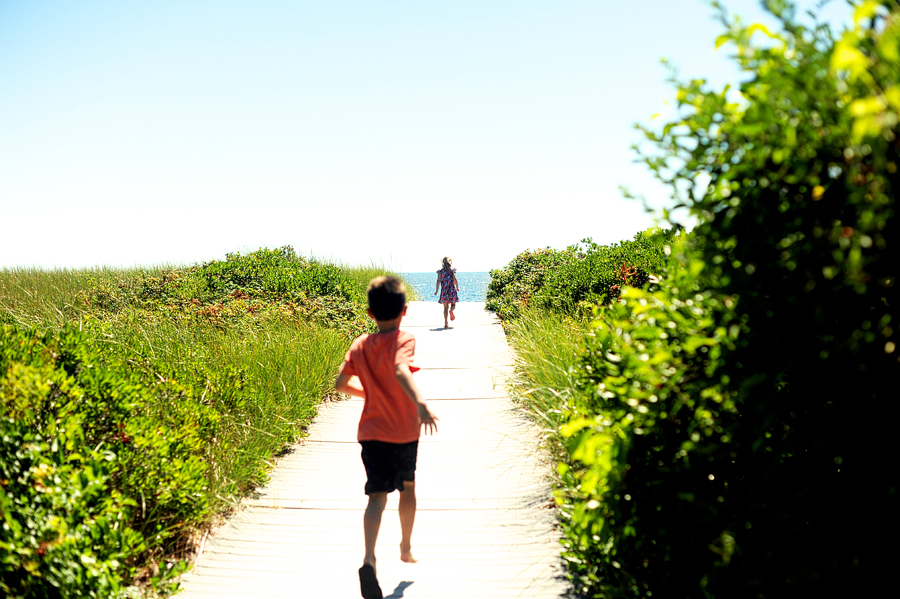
405	378
349	385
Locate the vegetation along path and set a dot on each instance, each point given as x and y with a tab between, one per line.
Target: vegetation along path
484	527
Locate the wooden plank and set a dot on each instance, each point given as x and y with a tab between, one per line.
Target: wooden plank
484	527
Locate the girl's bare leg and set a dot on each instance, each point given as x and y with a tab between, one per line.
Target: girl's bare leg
446	310
407	519
372	524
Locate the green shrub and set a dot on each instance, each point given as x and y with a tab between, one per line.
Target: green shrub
649	440
279	273
65	529
511	287
258	284
598	274
570	281
729	436
67	522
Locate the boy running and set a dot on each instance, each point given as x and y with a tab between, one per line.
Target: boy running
378	368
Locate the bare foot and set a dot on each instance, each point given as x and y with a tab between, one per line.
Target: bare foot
406	555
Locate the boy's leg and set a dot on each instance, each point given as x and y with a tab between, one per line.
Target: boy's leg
407	519
372	524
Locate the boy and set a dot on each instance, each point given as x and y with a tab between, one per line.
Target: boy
379	369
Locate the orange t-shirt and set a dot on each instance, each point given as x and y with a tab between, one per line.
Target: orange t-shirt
388	413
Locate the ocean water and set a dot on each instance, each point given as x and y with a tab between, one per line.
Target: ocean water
472	285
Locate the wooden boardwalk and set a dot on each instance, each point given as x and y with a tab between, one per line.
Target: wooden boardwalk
484	526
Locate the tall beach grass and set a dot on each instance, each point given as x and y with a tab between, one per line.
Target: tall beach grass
362	274
546	346
52	298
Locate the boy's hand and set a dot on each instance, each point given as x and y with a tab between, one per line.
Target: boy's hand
405	378
429	420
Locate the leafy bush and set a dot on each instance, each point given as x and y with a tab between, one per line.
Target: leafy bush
258	284
649	436
728	437
65	530
511	287
571	280
68	519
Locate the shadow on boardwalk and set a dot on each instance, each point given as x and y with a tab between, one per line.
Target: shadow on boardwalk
484	526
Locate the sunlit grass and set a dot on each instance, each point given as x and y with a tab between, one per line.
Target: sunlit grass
287	362
289	366
361	275
50	298
546	345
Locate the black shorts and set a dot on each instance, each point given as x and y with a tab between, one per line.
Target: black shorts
388	465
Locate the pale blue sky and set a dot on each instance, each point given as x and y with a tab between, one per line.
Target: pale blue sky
143	133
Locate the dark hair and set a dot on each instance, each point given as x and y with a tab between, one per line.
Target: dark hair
446	262
387	297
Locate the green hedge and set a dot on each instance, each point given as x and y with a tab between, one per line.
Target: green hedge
84	483
731	433
571	280
259	283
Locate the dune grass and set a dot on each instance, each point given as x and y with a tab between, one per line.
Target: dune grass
51	298
546	346
286	367
362	274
